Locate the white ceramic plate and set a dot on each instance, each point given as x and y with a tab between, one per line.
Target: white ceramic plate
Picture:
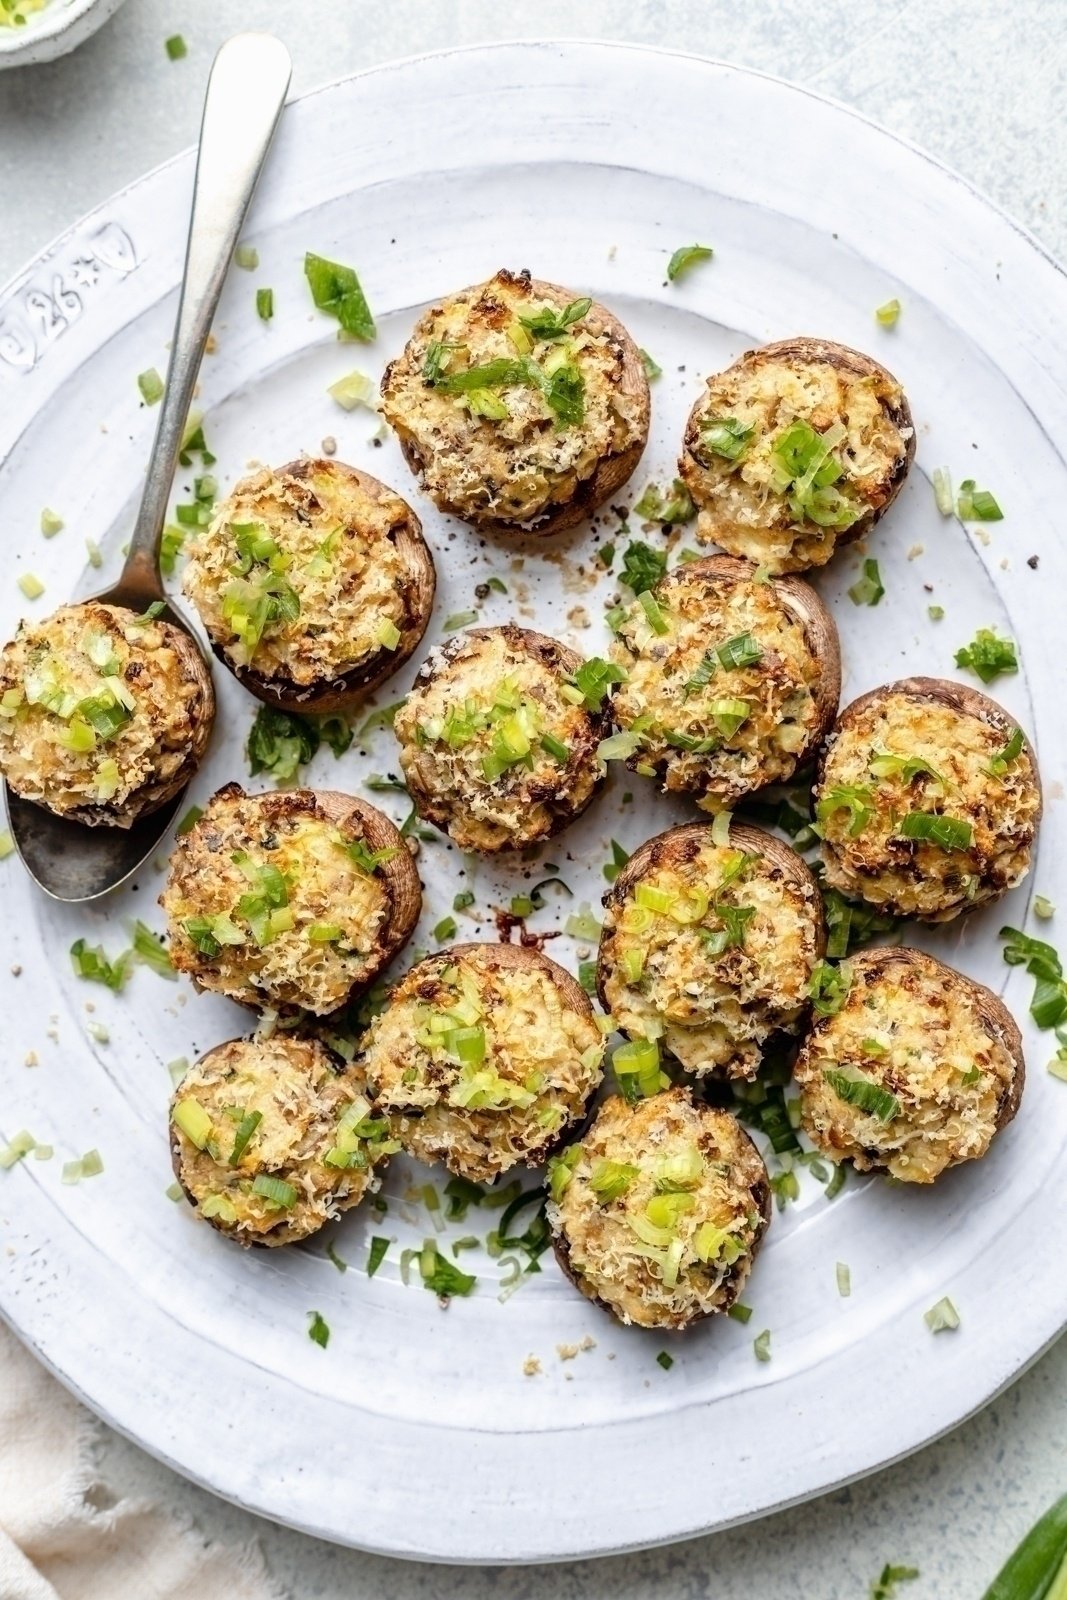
417	1432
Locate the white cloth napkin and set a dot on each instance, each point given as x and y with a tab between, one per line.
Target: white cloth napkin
64	1537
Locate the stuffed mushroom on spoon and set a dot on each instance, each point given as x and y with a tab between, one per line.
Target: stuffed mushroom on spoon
106	707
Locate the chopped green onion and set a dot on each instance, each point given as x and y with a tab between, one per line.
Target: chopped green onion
869	589
151	386
652	369
463	900
189	821
243	1137
636	1066
673	507
856	799
388	634
665	1361
720	828
445	930
942	1317
336	290
619	858
949	833
885	1587
31	586
51	524
275	1190
16	1149
642	567
176	47
828	987
338	1261
649	605
354	390
442	1276
888	314
582	925
1007	755
844	1280
318	1330
92	964
610	1179
7	844
976	505
379	1248
942	482
552	322
594	679
725	436
685	257
856	1089
247	257
837	1182
555	747
935	613
1044	907
458	619
618	746
92	550
740	1312
988	656
149	948
265	311
761	1345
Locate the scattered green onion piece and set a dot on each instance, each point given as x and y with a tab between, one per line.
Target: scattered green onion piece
7	844
888	315
176	47
828	987
276	1190
740	1312
642	567
463	900
885	1586
976	505
458	619
942	1317
247	257
720	828
1043	907
868	590
31	586
318	1329
151	386
265	311
16	1149
189	821
671	507
354	390
949	833
935	613
379	1248
582	925
844	1280
336	290
174	1191
652	369
150	949
761	1345
837	1182
92	1164
856	1089
92	550
51	524
445	930
665	1361
685	257
987	656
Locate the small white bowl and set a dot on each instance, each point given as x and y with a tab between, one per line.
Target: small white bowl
61	27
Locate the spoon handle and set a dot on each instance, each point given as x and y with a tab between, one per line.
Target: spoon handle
245	96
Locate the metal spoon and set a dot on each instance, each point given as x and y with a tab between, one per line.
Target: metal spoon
245	96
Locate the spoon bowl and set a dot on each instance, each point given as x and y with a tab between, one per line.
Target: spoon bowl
246	91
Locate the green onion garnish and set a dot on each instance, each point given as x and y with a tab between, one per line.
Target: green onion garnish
379	1249
988	656
339	1262
31	586
761	1345
463	900
885	1586
1043	907
942	482
51	524
92	550
190	1117
725	436
1007	755
275	1190
844	1280
7	844
949	833
458	619
888	314
935	613
611	1179
149	948
856	799
642	567
336	290
673	507
265	311
551	322
445	930
594	679
355	389
828	987
976	505
16	1149
619	858
650	606
176	47
740	1312
868	590
243	1137
247	257
665	1361
686	256
442	1276
151	386
582	925
91	963
318	1330
1048	1007
856	1089
189	821
652	369
942	1317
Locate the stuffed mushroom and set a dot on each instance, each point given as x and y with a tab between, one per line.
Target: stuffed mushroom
657	1215
710	947
289	899
314	584
797	448
729	681
482	1058
928	800
273	1137
521	406
104	714
913	1070
497	743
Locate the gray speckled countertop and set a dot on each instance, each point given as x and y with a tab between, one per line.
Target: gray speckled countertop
983	86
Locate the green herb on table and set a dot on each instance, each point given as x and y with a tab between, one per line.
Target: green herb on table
868	590
652	369
942	1317
265	304
686	257
884	1587
888	316
976	505
642	567
988	656
318	1330
151	386
336	290
176	47
1037	1567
